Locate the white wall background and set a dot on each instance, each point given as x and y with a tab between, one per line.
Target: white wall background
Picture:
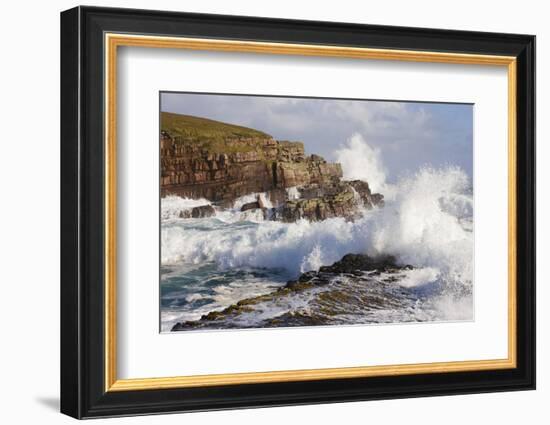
29	212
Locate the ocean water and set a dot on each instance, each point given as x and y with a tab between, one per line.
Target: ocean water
211	263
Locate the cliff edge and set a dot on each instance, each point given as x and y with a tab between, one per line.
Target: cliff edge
203	158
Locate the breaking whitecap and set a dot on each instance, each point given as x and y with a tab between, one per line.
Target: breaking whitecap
211	264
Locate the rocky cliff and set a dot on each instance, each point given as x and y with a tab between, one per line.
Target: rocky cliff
202	158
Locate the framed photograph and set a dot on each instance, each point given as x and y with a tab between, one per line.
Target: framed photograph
261	212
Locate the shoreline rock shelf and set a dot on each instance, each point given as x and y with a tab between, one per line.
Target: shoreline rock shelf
350	287
202	158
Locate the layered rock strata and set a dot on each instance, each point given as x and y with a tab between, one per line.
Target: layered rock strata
202	158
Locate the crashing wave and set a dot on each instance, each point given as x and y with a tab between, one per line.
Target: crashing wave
426	222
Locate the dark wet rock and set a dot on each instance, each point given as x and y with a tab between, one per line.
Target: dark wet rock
202	211
338	204
250	206
178	327
344	288
335	199
351	263
377	200
369	199
293	318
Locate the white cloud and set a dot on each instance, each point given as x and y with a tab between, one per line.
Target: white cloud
406	135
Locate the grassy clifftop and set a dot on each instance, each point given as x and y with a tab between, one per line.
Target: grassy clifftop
185	128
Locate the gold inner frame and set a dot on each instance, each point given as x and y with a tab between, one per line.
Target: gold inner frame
113	41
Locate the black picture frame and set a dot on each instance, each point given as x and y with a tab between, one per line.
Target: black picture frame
83	392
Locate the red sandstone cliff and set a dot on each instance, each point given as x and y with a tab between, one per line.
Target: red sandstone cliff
202	158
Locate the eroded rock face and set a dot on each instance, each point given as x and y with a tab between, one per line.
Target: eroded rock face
225	162
339	199
198	160
369	199
338	203
248	165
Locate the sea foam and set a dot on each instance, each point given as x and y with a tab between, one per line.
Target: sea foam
172	206
422	224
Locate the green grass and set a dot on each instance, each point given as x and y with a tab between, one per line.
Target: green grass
211	134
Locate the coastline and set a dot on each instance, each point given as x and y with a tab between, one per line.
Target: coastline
254	232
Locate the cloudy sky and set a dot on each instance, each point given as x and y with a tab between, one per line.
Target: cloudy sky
404	135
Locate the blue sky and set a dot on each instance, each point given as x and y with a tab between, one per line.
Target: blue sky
407	135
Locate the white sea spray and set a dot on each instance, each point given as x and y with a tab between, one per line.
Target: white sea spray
293	193
360	161
172	206
426	222
413	227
